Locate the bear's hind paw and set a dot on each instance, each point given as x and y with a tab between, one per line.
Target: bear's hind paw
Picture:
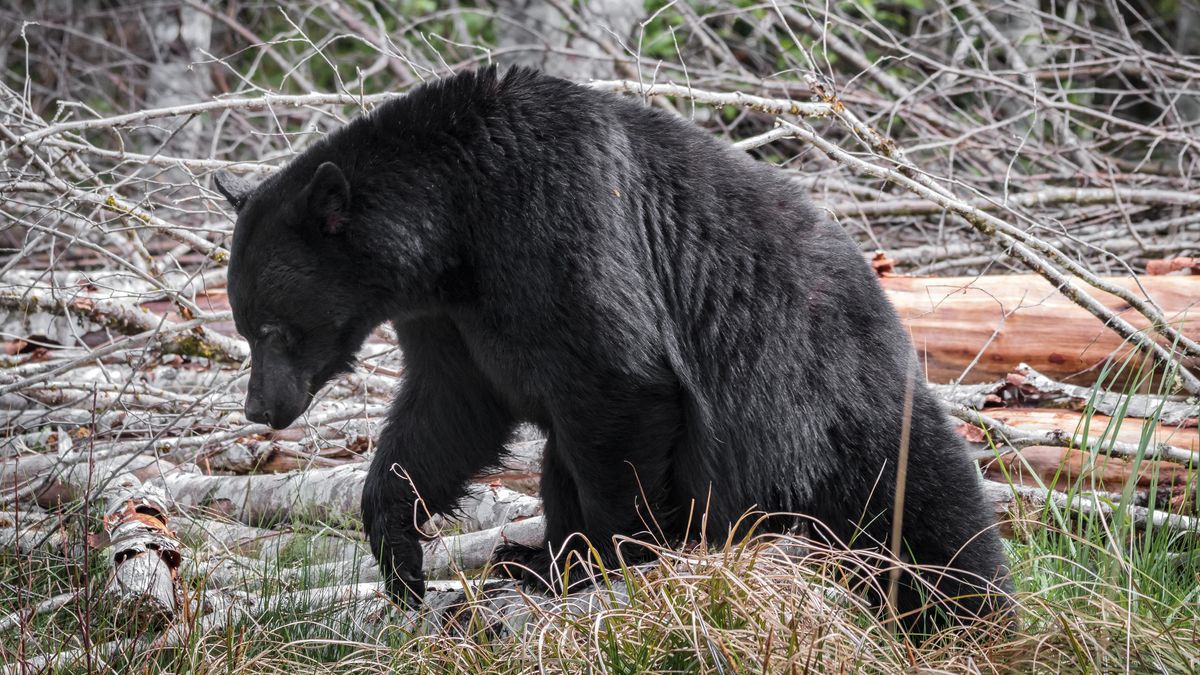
529	565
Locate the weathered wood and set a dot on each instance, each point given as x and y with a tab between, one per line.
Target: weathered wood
1030	386
255	454
324	495
1071	470
1007	320
142	553
486	506
29	531
262	500
445	557
1069	423
1017	504
522	466
23	616
986	430
54	480
371	612
1027	388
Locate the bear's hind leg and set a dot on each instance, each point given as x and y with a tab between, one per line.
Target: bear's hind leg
949	529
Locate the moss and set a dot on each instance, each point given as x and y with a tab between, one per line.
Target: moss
191	344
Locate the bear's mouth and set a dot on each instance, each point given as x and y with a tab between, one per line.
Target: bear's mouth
323	377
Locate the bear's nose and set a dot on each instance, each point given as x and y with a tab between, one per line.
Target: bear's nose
256	411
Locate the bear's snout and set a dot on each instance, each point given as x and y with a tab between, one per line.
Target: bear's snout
257	411
275	403
277	415
278	392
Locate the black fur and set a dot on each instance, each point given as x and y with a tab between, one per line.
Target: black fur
692	335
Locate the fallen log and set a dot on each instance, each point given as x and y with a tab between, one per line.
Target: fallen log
143	554
990	431
445	557
982	326
1034	421
256	454
24	616
327	495
370	609
26	532
521	467
976	329
1033	387
1026	388
1019	504
321	495
189	337
52	480
1070	470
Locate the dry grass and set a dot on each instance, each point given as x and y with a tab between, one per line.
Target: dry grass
770	604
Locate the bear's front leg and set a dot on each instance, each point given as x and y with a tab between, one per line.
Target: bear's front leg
397	548
445	426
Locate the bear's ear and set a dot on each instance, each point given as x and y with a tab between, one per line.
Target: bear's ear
329	197
235	188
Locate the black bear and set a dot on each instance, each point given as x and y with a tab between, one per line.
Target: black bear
694	338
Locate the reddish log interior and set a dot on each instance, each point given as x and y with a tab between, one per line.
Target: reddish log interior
1021	318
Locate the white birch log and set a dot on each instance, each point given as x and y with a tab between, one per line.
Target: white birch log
46	606
143	554
1106	402
445	557
325	495
320	495
27	532
61	478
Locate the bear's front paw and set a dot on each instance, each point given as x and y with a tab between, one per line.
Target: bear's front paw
400	556
405	586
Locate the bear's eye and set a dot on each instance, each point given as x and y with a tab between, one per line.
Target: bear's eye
267	330
283	334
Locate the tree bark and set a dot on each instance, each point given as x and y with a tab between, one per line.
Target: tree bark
143	554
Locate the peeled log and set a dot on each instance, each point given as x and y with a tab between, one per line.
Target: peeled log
447	555
1019	506
952	319
1068	470
53	481
320	495
1039	420
143	554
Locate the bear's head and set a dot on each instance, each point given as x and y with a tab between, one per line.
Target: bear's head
298	294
